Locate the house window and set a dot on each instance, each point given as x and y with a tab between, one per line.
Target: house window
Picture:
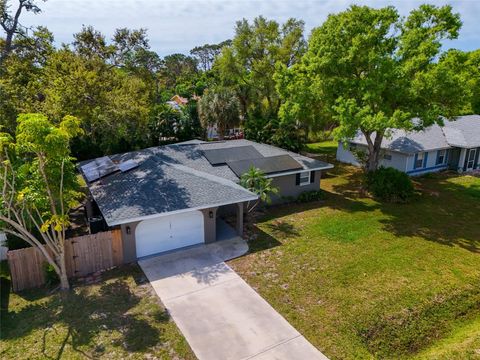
387	157
304	178
441	157
419	158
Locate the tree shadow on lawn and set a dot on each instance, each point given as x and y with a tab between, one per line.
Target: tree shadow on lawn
444	212
86	314
448	215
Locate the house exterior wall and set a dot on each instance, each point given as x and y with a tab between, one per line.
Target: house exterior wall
288	188
397	160
128	237
129	248
406	162
430	165
210	224
466	155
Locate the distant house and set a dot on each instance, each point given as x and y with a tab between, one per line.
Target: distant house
179	100
455	146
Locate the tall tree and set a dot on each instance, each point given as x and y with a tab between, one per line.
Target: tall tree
39	185
10	23
249	63
21	76
206	54
219	107
178	68
467	66
373	71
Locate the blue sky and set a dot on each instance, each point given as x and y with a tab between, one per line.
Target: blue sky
178	26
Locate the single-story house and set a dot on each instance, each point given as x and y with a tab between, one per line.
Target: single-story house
168	197
454	146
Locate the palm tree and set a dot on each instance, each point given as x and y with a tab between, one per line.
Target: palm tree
255	181
219	107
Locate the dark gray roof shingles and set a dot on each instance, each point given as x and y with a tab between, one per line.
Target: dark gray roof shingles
175	177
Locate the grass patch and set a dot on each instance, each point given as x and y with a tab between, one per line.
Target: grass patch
120	317
363	279
323	148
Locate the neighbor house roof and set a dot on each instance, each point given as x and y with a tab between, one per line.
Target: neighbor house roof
462	132
175	178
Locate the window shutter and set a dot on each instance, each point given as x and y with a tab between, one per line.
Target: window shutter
475	161
297	179
425	159
312	177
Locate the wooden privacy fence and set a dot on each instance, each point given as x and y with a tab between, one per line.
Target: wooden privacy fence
83	255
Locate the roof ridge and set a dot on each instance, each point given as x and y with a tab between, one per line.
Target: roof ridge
210	177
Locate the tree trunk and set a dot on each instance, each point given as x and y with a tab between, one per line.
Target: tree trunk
64	284
373	156
220	131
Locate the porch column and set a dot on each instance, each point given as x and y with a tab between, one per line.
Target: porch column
240	219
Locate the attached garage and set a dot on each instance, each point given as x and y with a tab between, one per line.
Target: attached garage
169	232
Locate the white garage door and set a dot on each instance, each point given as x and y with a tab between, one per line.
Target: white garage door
169	232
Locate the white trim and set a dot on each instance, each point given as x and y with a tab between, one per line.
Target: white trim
474	150
146	217
308	178
299	171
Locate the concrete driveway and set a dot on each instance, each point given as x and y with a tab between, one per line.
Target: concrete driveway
219	314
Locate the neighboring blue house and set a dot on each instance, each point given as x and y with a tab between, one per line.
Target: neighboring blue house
455	146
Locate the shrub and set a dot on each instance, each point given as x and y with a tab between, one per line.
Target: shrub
389	184
51	276
313	195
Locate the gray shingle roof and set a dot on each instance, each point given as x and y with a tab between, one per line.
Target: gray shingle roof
174	178
155	188
462	132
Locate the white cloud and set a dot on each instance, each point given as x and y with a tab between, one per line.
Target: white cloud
178	26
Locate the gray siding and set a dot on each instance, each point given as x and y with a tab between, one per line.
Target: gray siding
430	166
209	224
129	247
288	188
398	160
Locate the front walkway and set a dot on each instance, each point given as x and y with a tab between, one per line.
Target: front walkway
219	314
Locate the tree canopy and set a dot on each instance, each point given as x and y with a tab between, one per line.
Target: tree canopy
39	184
372	71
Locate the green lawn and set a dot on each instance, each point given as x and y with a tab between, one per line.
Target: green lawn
361	279
120	317
324	147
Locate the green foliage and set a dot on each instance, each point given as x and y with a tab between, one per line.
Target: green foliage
40	159
389	184
219	107
309	196
51	276
255	181
372	71
248	66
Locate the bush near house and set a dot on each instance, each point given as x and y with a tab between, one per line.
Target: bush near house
389	184
314	195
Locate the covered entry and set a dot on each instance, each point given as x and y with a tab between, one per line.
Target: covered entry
169	232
